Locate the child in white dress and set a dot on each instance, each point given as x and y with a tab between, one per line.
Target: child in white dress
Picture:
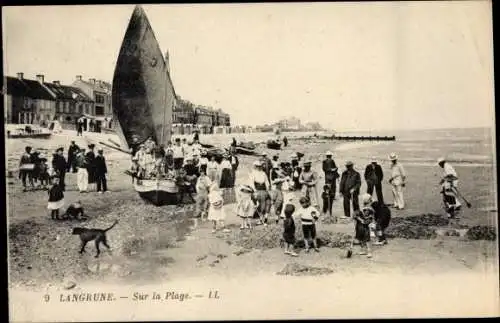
216	212
246	206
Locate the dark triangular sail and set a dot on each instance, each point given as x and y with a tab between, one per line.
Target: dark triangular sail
143	95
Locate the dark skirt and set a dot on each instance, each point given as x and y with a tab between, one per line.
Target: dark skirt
289	238
362	232
309	231
92	176
226	178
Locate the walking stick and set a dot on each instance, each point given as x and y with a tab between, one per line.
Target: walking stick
462	197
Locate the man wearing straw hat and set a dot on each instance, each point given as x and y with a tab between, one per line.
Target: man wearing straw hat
398	181
350	183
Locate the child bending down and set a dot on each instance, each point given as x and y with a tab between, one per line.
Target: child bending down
308	216
289	230
363	219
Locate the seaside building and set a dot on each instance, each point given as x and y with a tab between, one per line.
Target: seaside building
71	104
100	92
204	119
28	101
290	124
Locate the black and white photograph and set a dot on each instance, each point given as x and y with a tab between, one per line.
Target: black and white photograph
250	161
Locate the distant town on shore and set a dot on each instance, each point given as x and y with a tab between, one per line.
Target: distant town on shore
38	102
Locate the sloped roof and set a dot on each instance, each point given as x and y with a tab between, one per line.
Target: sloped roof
102	86
27	88
65	92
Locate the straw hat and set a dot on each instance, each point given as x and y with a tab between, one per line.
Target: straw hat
329	153
349	163
366	198
374	159
393	156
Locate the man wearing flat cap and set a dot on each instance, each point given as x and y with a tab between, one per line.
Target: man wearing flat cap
331	173
90	162
267	165
374	176
308	179
59	166
350	183
26	167
100	172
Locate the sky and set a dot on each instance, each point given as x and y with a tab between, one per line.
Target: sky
349	66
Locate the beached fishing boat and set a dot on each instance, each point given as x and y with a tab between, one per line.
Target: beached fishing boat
143	99
273	144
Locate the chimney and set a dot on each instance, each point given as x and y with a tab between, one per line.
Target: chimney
57	82
20	76
39	78
78	77
92	81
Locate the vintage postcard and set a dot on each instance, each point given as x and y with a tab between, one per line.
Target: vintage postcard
250	161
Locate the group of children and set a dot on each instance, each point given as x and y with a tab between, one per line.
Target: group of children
370	222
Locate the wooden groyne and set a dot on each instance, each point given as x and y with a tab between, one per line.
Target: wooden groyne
358	138
367	138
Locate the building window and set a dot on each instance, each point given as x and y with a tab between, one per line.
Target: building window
58	107
99	111
99	98
80	108
68	119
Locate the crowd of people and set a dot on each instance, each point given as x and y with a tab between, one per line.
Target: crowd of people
187	163
90	168
266	196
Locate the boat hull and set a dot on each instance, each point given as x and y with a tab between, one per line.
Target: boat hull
35	136
273	145
245	151
159	193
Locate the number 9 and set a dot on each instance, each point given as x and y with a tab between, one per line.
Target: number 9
46	297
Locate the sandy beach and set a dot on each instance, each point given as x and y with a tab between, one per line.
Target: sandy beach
162	247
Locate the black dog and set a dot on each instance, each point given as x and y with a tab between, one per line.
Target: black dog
99	235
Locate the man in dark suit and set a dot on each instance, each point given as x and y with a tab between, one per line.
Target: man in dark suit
72	152
59	166
374	176
350	184
100	172
331	174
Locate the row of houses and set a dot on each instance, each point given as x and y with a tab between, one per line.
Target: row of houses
188	117
39	102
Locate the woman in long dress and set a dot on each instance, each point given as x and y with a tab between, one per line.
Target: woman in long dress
260	184
226	180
